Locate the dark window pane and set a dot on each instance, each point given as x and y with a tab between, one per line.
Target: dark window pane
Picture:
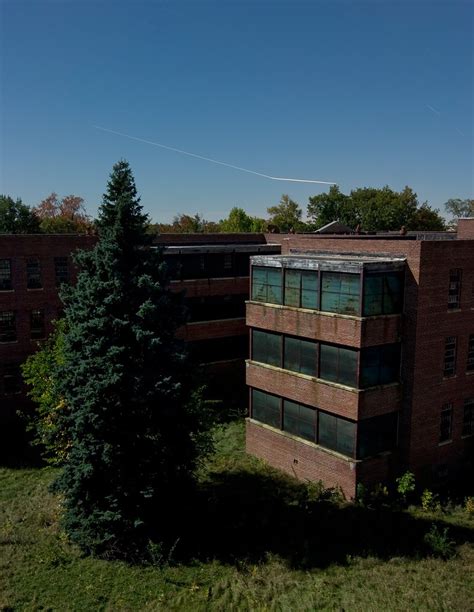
300	356
266	348
450	356
266	408
7	326
5	275
446	422
347	367
267	285
454	291
33	274
377	434
337	434
338	365
327	430
299	420
346	437
11	379
329	362
383	293
37	329
470	354
292	287
61	270
219	349
380	365
468	417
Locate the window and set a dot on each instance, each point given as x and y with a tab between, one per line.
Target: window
11	379
266	408
300	420
450	356
383	293
37	329
337	434
33	274
267	285
340	293
301	289
7	326
219	349
61	270
301	356
377	435
454	292
338	365
5	275
470	354
446	423
214	307
380	365
266	348
468	417
228	261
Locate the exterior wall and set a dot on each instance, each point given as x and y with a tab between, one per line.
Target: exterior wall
466	229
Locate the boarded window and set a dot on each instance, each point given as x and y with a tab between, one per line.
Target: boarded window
337	434
450	356
468	417
301	356
300	420
266	348
340	293
377	435
446	423
338	365
5	274
266	408
267	285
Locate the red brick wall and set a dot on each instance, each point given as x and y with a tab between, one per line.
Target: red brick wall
304	461
466	229
212	286
349	331
220	238
206	330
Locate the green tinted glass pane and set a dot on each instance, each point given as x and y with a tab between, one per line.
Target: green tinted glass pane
329	301
308	359
292	354
392	302
309	280
292	278
350	284
292	297
331	282
299	420
274	276
274	294
348	304
373	304
309	299
373	285
266	348
259	274
347	367
329	362
327	430
266	408
346	437
259	291
291	409
389	363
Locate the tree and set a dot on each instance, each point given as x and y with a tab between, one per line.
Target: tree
45	421
460	208
286	215
63	216
374	210
16	217
239	221
134	421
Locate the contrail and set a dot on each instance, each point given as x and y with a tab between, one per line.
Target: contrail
214	161
433	109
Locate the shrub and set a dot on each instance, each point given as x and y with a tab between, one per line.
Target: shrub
439	544
406	484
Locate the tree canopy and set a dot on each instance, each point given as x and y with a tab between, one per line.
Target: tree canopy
460	208
16	217
239	221
286	215
63	215
133	420
374	210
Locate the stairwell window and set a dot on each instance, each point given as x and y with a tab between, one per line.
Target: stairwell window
450	356
454	292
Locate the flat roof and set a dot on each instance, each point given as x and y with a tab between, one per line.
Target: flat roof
348	262
222	248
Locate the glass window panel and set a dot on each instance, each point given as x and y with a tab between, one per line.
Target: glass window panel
292	297
309	299
309	280
266	408
299	420
346	437
347	367
340	293
329	362
274	293
373	304
5	275
329	301
327	430
293	278
377	435
373	285
266	348
348	304
274	276
331	282
33	274
393	291
309	355
292	354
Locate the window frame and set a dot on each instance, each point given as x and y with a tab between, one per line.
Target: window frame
450	344
446	416
4	329
6	281
468	418
454	289
37	332
31	275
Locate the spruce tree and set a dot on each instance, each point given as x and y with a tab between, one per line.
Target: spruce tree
135	424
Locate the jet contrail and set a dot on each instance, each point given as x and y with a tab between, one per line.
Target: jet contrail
433	110
214	161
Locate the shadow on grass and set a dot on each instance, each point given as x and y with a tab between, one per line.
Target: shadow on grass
243	516
16	450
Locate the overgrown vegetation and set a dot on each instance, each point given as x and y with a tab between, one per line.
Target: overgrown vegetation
252	539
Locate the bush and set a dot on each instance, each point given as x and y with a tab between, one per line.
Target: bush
439	544
406	484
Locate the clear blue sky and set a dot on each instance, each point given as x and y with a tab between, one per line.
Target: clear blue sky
335	90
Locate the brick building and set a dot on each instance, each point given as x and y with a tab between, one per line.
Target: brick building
212	270
362	357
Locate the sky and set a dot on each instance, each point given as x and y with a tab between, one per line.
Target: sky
362	93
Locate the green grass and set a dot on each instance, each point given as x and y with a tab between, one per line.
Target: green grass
258	541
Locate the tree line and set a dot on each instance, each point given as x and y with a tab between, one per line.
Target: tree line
367	209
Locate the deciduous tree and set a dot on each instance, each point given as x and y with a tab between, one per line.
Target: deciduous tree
286	215
16	217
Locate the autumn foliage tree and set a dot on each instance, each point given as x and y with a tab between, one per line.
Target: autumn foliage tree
65	215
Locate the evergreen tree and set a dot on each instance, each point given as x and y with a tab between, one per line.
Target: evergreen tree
134	424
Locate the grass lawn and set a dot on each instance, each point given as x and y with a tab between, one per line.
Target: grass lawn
257	540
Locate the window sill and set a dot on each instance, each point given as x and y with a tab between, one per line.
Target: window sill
445	442
3	342
466	436
451	310
3	291
35	288
453	377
